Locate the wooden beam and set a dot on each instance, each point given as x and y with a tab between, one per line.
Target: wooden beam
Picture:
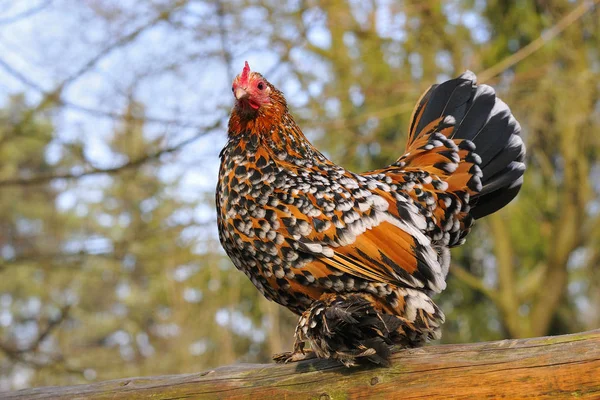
542	368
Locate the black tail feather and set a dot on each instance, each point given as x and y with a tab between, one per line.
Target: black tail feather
492	202
513	151
486	121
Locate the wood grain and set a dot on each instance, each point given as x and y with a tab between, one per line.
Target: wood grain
539	368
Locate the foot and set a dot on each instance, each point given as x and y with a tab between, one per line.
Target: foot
293	356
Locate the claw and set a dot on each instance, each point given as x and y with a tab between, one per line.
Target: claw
293	356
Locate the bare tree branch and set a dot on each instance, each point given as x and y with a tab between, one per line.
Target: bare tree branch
119	116
19	353
27	357
538	43
120	42
25	80
224	41
473	282
54	97
41	179
26	14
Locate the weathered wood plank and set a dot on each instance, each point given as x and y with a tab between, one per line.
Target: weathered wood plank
541	368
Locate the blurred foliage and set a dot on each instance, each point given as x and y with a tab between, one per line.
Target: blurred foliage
110	266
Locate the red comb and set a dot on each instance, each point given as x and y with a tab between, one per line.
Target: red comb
245	73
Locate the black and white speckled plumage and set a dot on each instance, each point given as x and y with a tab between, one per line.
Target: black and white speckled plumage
317	238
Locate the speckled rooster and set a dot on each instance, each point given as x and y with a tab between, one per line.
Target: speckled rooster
358	256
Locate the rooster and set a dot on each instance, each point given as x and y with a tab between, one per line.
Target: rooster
358	256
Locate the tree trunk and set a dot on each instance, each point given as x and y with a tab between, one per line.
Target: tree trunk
542	368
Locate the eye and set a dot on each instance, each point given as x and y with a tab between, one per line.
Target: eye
233	89
260	86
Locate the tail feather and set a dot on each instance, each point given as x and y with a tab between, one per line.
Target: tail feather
456	94
514	150
494	201
488	123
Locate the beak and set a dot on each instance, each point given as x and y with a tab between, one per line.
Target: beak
240	93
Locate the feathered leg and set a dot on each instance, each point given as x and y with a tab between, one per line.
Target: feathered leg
348	327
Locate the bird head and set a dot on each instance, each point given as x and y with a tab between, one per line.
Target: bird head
251	91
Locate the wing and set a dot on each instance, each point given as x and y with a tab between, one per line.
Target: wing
350	224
